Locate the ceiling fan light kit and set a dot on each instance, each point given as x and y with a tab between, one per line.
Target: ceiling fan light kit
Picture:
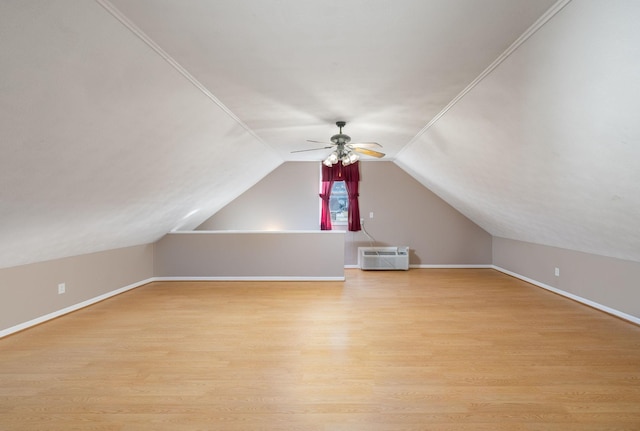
345	151
346	159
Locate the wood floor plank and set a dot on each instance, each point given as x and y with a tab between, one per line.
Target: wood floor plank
427	349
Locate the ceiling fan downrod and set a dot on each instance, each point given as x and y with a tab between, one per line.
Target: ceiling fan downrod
340	138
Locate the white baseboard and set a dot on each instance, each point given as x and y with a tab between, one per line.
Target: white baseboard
434	266
456	266
75	307
256	278
576	298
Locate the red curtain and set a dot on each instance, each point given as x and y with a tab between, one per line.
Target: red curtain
351	180
325	217
350	174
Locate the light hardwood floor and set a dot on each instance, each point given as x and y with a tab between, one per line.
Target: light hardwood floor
418	350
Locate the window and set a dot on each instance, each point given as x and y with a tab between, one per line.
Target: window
339	203
339	196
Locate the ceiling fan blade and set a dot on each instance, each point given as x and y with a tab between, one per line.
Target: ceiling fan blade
319	142
365	144
369	152
311	149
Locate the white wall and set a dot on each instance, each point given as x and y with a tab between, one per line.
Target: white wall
294	255
611	284
404	213
286	199
30	292
407	213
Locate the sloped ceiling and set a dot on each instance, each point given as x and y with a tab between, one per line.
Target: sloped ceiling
124	120
290	69
104	145
546	148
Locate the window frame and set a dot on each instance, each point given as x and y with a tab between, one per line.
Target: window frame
334	197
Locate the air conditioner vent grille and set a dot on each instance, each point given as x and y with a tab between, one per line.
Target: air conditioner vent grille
380	253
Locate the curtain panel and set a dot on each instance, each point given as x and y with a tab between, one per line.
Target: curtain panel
325	195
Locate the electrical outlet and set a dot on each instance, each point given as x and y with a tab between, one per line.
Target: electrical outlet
371	214
557	272
62	287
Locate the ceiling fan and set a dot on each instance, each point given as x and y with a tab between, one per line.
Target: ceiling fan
345	151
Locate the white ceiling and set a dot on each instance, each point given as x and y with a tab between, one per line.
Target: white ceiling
289	69
123	120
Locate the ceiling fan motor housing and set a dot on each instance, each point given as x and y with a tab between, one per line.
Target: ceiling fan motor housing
341	138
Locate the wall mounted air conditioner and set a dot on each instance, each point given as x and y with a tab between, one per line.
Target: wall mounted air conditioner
381	258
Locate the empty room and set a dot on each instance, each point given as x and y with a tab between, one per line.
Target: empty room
319	215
